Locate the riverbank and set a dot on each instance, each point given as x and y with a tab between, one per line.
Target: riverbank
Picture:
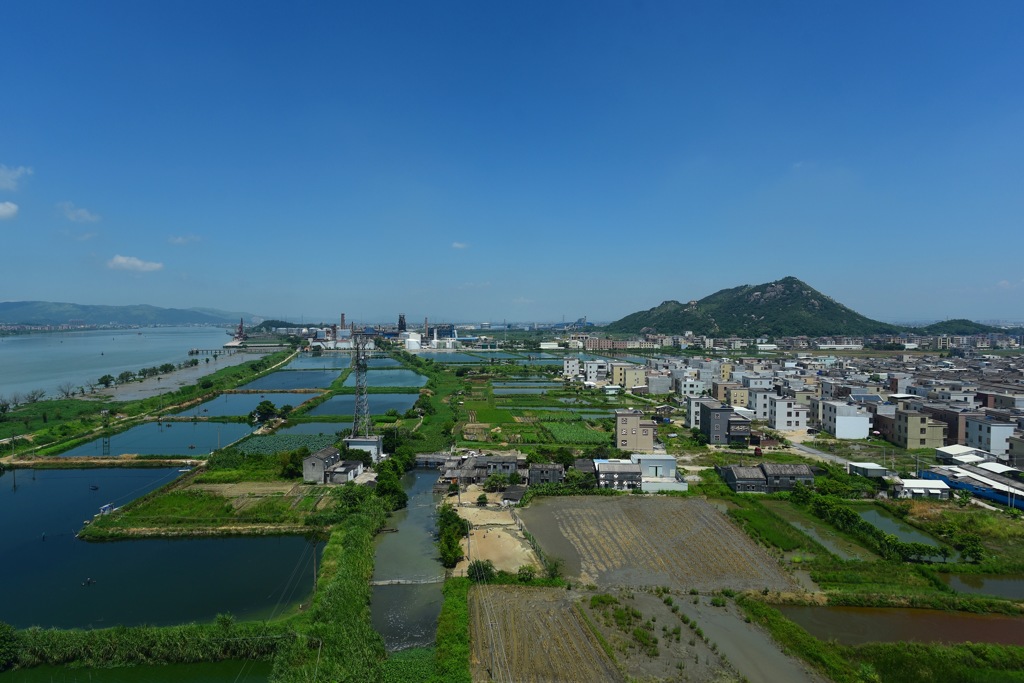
154	386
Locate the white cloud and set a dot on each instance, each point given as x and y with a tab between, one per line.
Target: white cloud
182	240
9	176
460	245
8	210
473	285
77	215
133	264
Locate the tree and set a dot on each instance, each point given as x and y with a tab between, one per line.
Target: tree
527	573
66	389
34	396
481	571
8	646
481	500
264	411
5	406
963	498
291	462
553	567
125	377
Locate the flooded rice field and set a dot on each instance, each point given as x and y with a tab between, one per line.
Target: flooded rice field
640	541
859	625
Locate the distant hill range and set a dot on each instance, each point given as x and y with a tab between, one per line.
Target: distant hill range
50	313
784	308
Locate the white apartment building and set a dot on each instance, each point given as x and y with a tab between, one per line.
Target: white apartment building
785	414
988	435
845	421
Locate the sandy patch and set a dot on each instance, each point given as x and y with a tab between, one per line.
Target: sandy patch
494	535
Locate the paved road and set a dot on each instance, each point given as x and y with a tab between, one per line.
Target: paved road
820	455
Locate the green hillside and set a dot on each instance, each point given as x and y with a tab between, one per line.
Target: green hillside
786	307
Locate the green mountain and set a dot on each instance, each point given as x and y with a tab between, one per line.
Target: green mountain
957	326
50	313
786	307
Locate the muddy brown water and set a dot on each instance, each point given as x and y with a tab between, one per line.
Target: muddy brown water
859	625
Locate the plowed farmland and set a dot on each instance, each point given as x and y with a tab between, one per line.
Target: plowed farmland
681	543
532	635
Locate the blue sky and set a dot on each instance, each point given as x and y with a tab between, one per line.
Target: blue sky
498	160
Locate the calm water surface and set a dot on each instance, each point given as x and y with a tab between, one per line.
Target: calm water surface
406	615
315	428
283	380
1010	587
45	360
133	582
390	378
183	439
378	403
329	361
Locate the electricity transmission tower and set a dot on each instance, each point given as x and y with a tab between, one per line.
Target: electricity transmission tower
361	424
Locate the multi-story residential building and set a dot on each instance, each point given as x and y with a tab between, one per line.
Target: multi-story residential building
693	409
627	375
595	370
845	421
721	425
954	418
545	473
757	402
633	432
737	397
913	429
1015	450
989	435
786	415
690	387
570	367
719	388
659	384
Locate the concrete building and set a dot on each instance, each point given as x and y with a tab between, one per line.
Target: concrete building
315	465
693	410
623	475
921	488
633	432
757	402
989	435
545	473
913	429
845	421
867	469
595	370
721	425
570	367
373	444
658	472
786	415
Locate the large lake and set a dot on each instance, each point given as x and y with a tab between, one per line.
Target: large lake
155	582
46	360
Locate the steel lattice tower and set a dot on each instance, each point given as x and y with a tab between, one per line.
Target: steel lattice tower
361	424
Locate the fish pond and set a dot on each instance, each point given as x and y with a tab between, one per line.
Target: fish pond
228	405
390	378
378	403
284	380
328	361
67	583
182	439
1010	587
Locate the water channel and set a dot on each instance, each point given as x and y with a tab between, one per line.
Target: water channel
405	613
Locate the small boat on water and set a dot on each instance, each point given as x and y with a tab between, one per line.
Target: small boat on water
94	487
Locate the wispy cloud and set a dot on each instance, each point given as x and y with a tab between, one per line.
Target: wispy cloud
8	210
522	301
473	285
460	245
9	177
76	214
133	264
182	240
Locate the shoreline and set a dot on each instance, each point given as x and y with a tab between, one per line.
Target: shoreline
163	384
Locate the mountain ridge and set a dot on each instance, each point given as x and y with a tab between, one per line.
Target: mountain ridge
61	313
781	308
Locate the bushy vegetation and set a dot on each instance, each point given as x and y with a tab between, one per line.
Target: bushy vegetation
451	529
276	443
576	433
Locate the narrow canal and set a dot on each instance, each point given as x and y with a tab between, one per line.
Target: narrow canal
407	574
